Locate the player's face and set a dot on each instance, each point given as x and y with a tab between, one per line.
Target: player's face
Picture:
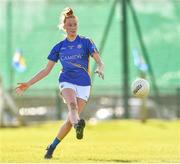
71	27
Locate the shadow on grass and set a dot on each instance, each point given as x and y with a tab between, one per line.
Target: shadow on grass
112	160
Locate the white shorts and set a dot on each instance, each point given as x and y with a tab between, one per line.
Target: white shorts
82	92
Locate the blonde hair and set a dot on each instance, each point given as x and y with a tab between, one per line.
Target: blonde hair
65	14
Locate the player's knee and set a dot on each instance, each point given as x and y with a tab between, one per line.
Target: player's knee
73	105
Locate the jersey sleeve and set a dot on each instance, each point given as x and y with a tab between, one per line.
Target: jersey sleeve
54	53
91	47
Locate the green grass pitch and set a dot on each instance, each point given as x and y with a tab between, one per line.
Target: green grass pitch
119	141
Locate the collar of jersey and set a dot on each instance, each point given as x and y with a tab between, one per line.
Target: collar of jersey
72	40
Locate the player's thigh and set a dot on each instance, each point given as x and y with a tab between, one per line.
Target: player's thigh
81	104
69	95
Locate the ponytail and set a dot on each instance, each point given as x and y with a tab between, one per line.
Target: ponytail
66	13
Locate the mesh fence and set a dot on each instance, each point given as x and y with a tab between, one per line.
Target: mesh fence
31	26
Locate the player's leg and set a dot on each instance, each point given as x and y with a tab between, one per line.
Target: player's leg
73	104
66	127
69	96
81	123
83	93
64	130
73	116
81	104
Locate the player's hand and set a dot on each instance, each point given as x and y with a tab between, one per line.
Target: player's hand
21	88
100	71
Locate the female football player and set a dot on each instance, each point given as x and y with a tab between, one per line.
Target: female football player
74	81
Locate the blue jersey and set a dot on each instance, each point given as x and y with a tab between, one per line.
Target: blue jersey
74	58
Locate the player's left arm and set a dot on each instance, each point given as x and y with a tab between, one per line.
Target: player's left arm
100	67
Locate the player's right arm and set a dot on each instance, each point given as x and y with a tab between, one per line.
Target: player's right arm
43	73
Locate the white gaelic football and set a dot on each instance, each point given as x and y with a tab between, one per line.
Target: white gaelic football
140	88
